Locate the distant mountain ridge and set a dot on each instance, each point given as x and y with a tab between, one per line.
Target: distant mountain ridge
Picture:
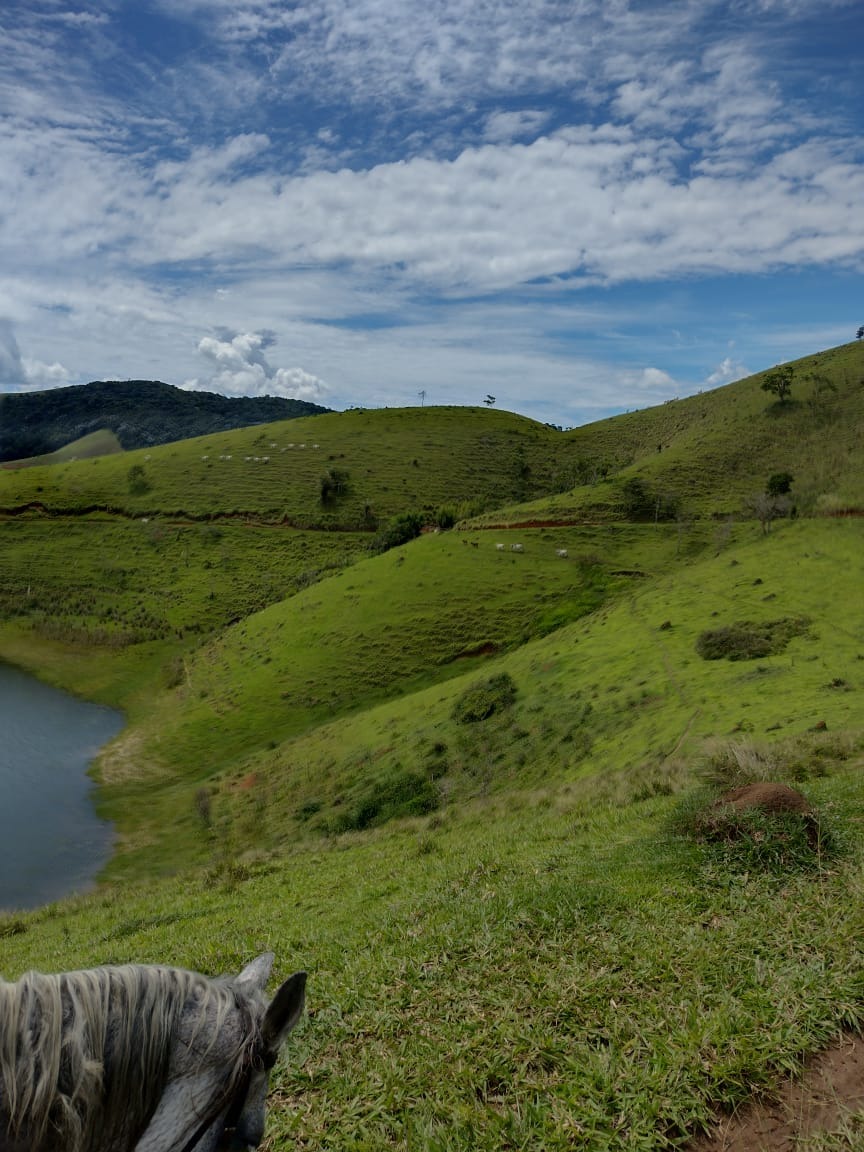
141	413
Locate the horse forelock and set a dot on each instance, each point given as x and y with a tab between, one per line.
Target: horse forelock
85	1056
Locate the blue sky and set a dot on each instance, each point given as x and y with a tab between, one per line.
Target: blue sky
578	206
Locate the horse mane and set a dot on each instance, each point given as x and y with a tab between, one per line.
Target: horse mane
84	1056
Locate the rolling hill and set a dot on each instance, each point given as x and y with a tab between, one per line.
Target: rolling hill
140	413
459	780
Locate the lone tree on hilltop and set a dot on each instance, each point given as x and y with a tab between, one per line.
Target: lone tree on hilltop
489	401
779	382
859	335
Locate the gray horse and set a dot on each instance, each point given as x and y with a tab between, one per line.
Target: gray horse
140	1058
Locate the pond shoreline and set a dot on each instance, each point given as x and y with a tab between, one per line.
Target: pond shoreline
53	843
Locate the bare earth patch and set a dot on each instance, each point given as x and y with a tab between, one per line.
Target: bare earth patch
831	1088
124	760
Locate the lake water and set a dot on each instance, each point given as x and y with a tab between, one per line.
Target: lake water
51	841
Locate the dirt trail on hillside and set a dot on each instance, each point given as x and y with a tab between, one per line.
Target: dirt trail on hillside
830	1088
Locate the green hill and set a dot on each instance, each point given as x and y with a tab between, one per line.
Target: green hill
389	460
706	454
140	413
101	443
461	781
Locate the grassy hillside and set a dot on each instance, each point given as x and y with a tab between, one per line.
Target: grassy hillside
462	781
386	627
100	443
706	454
110	606
138	412
621	696
391	460
548	972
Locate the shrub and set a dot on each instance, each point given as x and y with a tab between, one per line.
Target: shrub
640	503
779	483
445	517
400	530
406	794
333	485
137	480
484	699
204	806
746	640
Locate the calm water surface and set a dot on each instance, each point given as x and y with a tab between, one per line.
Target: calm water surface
51	841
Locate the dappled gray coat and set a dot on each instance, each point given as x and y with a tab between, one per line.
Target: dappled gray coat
140	1058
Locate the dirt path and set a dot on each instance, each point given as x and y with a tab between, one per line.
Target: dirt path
831	1087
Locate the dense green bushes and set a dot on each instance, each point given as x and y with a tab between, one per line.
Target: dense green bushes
746	640
485	698
406	794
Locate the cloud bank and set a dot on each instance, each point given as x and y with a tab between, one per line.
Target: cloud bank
364	180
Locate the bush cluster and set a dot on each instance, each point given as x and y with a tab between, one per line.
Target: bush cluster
400	530
334	485
746	640
485	698
406	794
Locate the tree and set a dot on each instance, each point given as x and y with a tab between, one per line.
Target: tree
489	401
779	484
334	485
859	335
779	382
766	508
422	395
137	480
400	530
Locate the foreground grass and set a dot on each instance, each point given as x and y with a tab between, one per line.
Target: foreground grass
517	975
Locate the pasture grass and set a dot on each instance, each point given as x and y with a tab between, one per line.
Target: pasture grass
513	939
392	460
384	627
527	972
100	443
125	600
848	1136
619	699
710	452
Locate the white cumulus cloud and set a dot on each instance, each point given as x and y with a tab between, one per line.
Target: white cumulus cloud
242	369
655	378
725	372
21	373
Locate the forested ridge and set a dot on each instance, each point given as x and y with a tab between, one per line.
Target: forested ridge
140	413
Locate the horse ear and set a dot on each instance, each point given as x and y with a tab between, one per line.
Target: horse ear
254	976
285	1010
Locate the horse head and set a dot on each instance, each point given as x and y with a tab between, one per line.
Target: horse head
243	1126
